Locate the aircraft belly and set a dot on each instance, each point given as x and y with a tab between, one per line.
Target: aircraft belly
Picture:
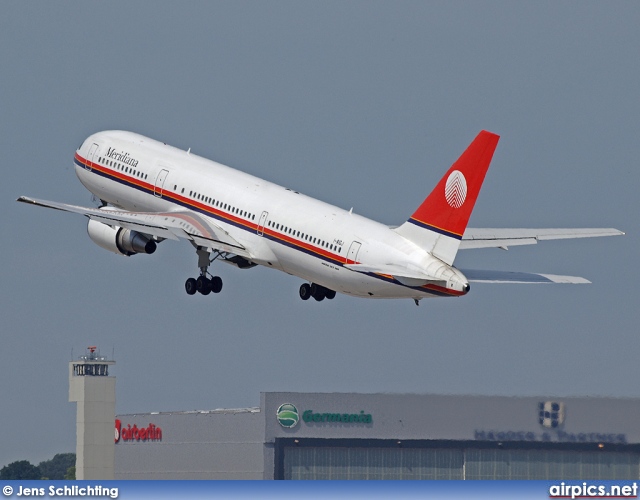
334	276
308	266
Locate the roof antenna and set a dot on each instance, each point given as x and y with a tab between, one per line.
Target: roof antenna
351	210
189	151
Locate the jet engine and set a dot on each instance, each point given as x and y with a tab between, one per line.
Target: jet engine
119	240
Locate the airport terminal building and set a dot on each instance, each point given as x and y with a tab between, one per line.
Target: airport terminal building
386	436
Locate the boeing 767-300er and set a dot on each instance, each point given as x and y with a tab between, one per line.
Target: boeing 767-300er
151	192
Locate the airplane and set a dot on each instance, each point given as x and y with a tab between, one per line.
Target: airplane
150	192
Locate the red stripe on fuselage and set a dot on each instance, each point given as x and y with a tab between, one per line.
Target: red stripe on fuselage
239	221
211	210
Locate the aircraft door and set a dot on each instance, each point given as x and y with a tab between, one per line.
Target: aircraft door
352	255
92	153
157	189
262	222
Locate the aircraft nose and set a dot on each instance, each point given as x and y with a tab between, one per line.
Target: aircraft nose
466	287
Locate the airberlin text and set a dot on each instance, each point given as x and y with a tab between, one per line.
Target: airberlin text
344	418
135	433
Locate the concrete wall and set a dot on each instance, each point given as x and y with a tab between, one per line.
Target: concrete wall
225	444
241	444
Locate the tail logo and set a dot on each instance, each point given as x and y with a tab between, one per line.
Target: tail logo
455	190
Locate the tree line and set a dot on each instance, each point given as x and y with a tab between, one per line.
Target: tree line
61	466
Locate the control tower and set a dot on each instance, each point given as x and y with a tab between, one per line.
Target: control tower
95	392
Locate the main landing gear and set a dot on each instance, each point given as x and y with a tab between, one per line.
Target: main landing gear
203	284
318	292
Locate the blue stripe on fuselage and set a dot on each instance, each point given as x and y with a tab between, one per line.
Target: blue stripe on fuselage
105	172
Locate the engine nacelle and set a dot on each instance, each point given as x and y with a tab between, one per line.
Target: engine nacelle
119	240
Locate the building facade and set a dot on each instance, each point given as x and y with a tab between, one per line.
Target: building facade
386	436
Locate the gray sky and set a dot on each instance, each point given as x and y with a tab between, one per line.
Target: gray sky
362	104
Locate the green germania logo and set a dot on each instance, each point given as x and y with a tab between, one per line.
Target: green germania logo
287	415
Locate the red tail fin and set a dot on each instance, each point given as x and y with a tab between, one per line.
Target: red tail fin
447	209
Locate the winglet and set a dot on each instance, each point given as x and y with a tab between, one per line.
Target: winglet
446	211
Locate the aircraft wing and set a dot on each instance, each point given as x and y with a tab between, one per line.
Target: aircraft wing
478	276
505	237
164	225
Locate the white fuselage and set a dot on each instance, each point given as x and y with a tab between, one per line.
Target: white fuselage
280	228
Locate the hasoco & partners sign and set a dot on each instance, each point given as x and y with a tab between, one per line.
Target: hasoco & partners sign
288	417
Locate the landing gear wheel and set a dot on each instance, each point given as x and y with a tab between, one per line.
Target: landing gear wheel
216	284
317	292
190	286
203	285
305	291
330	294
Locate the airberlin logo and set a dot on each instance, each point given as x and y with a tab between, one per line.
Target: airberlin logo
455	190
135	433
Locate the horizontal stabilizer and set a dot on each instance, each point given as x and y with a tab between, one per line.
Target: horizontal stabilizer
481	276
507	237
